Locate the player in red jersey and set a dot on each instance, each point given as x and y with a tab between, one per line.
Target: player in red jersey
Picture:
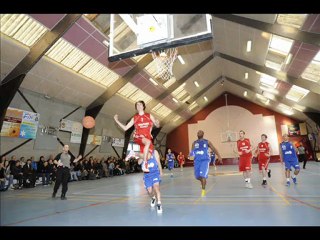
245	157
263	153
180	158
143	123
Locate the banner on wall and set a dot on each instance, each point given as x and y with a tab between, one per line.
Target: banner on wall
94	139
117	142
20	123
294	130
76	132
66	125
303	128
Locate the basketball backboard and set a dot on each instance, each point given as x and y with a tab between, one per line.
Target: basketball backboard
136	34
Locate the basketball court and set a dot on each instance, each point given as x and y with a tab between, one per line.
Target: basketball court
67	78
123	201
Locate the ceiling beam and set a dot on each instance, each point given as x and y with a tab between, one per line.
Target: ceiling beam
278	29
184	106
280	75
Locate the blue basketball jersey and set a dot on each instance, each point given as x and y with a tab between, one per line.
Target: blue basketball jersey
212	157
288	151
201	149
170	157
153	165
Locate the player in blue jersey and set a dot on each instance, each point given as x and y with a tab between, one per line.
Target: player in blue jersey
170	160
212	156
288	155
200	152
152	180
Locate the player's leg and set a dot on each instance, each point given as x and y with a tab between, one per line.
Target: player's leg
287	173
204	171
146	142
262	168
296	167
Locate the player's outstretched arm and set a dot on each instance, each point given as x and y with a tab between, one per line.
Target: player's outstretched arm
124	127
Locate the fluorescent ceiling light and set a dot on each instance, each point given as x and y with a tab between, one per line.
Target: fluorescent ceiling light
280	44
299	107
161	110
273	65
268	80
292	20
196	83
205	98
249	44
245	93
153	81
181	59
288	59
270	90
176	118
246	75
285	109
105	42
175	100
297	93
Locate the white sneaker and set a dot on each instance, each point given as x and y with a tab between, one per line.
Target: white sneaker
130	155
153	202
159	208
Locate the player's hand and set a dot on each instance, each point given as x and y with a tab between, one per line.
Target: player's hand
240	153
60	163
220	160
157	123
116	117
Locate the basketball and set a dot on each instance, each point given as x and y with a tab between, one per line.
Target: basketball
88	122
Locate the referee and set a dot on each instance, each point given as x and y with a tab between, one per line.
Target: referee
63	161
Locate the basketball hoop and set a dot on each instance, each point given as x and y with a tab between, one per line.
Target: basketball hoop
164	60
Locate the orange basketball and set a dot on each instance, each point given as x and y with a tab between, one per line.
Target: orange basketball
88	122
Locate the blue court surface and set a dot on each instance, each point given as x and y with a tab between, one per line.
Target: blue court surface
123	201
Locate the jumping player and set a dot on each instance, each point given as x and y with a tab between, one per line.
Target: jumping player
143	123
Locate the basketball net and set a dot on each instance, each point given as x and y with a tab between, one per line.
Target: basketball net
164	60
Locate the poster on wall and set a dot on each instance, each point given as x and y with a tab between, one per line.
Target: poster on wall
303	128
293	130
117	142
66	125
20	123
76	132
94	139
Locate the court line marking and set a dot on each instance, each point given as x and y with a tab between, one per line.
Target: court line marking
279	194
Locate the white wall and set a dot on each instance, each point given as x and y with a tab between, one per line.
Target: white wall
235	118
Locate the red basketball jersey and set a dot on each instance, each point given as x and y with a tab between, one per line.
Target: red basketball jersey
244	145
143	125
263	148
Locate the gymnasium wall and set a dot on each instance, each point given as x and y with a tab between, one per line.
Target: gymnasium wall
51	111
243	115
